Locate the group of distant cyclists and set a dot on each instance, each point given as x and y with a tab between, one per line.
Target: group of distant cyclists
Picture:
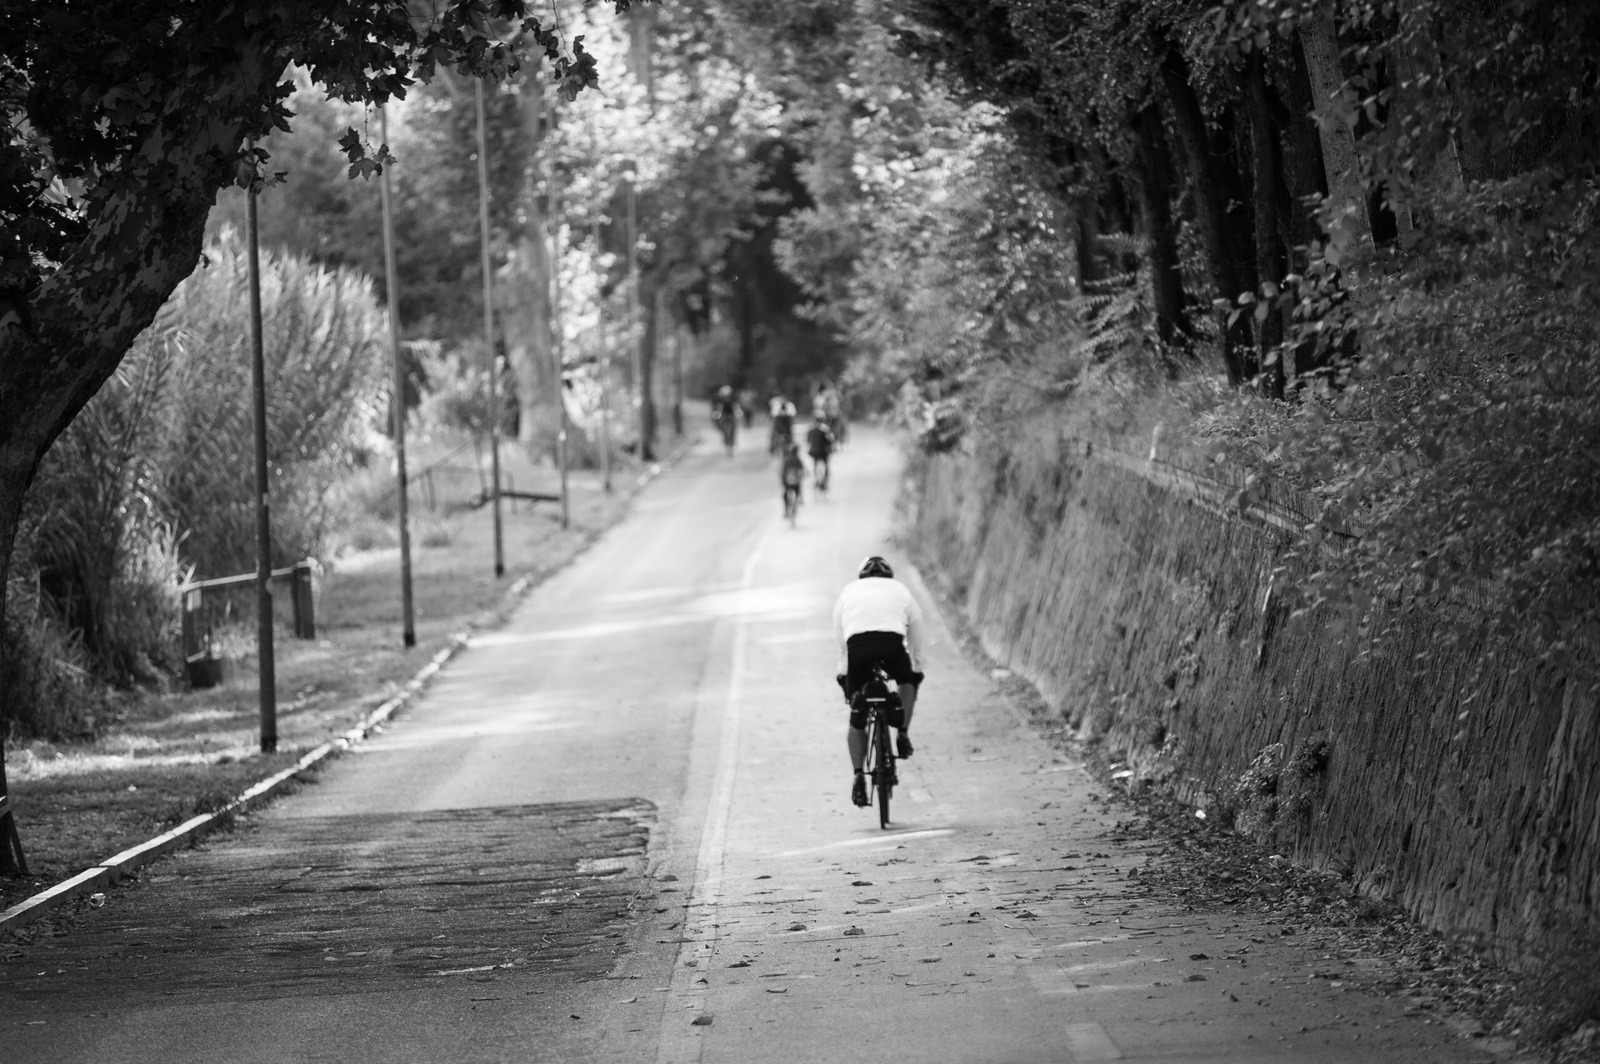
876	621
823	436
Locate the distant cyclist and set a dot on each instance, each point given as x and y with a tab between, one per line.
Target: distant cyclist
819	444
791	474
877	622
725	413
783	413
826	408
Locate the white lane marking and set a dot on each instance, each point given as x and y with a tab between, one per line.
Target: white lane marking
1089	1041
680	1042
1106	966
887	838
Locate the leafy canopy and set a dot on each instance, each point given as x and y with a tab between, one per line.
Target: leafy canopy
94	95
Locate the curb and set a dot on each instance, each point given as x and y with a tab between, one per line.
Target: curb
114	869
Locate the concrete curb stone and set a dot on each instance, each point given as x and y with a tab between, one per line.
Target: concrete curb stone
114	869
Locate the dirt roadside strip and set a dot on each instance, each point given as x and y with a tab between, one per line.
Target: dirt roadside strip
190	832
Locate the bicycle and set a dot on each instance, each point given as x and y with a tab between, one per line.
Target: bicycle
882	706
791	502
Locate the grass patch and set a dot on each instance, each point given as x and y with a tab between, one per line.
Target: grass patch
168	757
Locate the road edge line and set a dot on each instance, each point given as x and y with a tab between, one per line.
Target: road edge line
114	869
705	885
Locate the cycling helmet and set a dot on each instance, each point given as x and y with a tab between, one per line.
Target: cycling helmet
875	566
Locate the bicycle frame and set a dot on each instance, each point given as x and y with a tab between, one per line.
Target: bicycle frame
881	775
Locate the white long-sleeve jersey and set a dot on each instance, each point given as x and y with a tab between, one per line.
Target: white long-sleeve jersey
878	604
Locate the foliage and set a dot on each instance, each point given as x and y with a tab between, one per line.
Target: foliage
323	344
154	479
1376	218
47	674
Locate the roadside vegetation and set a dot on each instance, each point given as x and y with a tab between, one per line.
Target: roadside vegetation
154	757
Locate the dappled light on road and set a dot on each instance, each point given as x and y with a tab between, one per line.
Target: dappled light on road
776	603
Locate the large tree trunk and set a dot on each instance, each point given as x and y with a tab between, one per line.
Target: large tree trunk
60	344
647	371
1215	190
523	290
1155	201
1319	42
1267	195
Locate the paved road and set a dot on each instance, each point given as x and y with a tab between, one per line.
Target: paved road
619	830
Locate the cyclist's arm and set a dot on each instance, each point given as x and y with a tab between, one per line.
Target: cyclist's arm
838	636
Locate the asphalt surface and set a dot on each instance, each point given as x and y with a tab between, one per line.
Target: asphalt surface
618	829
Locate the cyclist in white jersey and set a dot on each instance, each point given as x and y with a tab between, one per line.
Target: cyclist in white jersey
877	622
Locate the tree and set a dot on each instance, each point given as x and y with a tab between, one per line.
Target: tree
124	119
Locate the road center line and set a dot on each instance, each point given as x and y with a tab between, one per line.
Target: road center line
680	1039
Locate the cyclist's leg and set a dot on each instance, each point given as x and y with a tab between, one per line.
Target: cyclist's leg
856	741
908	702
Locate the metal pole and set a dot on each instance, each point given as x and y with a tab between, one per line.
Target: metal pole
397	400
558	332
267	680
635	343
605	370
677	379
488	336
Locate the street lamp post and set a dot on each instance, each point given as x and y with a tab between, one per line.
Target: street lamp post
267	676
557	328
605	368
488	337
398	400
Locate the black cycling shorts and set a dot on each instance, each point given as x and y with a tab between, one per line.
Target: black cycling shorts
865	649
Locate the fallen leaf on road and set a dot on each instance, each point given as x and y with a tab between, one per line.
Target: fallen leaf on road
628	1001
980	857
777	990
1198	957
763	877
930	960
739	964
1194	978
861	883
796	927
854	931
703	1020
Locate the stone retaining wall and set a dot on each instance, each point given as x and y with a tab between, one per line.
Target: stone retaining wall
1147	614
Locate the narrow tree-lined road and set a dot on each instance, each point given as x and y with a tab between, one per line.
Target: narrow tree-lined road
619	829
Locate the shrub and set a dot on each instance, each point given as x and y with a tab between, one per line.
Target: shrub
104	557
45	674
323	345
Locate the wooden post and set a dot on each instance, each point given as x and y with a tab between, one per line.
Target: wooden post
305	615
398	402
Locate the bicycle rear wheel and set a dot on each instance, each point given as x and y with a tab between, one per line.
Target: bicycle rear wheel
882	767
